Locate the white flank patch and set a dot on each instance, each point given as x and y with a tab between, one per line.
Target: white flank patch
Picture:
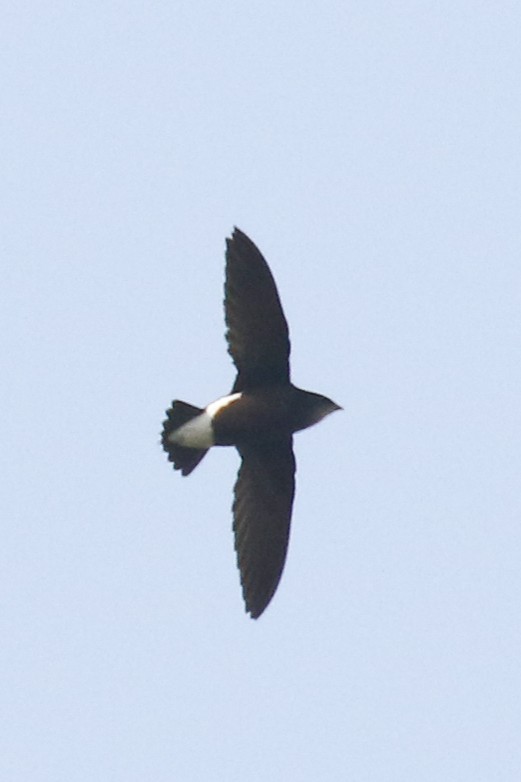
224	401
198	433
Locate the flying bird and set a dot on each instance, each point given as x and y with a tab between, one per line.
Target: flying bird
258	417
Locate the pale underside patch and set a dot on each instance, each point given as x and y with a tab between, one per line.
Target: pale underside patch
198	433
224	401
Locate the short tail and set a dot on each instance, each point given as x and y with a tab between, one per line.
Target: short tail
184	459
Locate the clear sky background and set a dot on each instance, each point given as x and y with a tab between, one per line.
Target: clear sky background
373	151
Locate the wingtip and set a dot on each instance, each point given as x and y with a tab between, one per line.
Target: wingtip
236	234
254	613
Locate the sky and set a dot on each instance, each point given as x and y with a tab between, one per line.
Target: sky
373	153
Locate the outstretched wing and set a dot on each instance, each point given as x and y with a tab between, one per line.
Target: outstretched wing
257	331
262	506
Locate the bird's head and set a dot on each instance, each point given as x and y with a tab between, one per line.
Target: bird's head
313	408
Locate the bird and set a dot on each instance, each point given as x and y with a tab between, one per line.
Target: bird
259	417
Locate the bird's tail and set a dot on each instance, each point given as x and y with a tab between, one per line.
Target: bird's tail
184	459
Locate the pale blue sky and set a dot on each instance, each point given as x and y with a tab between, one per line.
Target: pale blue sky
373	151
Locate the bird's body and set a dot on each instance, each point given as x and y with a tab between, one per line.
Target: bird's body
259	417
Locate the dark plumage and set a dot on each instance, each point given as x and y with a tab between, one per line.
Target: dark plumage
260	417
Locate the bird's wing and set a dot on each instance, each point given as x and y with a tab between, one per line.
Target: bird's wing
257	331
262	506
